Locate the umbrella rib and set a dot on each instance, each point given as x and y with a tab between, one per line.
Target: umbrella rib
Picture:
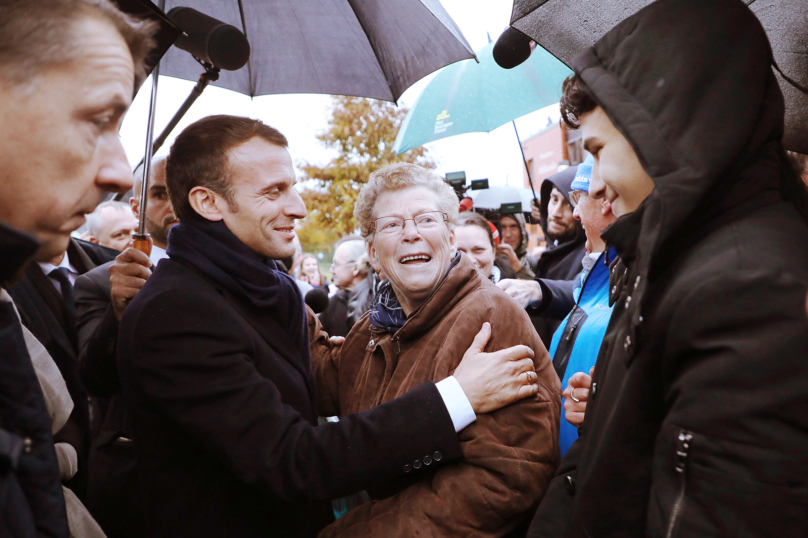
375	52
249	60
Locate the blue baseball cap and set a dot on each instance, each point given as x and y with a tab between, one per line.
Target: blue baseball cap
583	176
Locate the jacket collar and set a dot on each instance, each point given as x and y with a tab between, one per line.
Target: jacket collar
16	248
459	281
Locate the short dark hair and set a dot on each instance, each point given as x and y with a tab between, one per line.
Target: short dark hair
575	101
469	218
38	33
198	157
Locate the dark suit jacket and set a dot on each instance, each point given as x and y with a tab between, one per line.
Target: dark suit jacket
224	420
113	491
43	310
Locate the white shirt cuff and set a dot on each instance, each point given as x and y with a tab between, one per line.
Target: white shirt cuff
456	403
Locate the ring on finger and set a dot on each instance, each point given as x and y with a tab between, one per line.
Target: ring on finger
572	395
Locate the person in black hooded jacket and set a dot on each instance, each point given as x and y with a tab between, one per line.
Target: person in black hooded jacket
557	267
697	419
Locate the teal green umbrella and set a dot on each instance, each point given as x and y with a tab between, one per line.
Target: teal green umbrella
467	97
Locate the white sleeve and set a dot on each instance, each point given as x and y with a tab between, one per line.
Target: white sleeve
456	403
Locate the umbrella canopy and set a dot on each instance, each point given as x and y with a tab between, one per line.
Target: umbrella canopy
468	97
365	48
494	197
565	28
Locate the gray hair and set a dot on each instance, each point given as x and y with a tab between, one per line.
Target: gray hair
37	33
93	224
158	164
398	176
356	252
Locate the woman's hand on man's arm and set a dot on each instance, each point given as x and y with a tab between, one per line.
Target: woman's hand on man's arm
492	381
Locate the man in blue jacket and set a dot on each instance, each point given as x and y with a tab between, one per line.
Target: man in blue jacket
576	342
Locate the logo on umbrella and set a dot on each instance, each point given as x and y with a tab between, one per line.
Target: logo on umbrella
440	125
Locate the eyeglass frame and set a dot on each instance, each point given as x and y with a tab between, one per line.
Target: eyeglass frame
373	229
575	197
335	266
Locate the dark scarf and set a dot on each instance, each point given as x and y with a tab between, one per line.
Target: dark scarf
212	248
386	312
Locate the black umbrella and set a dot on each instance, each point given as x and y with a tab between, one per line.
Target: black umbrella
565	27
366	48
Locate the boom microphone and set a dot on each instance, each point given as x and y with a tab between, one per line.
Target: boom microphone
211	40
317	299
512	48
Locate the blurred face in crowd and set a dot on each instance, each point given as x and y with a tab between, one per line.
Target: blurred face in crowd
473	241
560	222
159	214
116	228
510	231
595	215
617	174
310	266
61	152
266	203
414	259
342	269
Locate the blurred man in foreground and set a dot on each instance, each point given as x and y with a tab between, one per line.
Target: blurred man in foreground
111	225
697	423
67	75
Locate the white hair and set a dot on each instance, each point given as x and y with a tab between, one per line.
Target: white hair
93	224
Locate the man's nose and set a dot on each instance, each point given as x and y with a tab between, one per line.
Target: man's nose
575	214
597	188
295	208
115	173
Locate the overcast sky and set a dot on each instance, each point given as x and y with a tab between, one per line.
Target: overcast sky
300	117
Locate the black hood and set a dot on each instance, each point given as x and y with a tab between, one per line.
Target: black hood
562	181
690	85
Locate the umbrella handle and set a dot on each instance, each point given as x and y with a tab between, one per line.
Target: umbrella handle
142	242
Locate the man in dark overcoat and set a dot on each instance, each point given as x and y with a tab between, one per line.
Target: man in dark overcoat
67	76
697	419
214	362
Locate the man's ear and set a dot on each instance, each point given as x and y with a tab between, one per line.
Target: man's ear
206	203
134	205
452	243
92	239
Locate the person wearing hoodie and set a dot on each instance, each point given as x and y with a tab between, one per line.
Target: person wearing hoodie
577	340
558	266
513	246
697	422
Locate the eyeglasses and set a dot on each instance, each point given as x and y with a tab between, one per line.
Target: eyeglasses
335	265
393	225
575	197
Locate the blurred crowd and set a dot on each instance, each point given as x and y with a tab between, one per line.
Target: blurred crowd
643	373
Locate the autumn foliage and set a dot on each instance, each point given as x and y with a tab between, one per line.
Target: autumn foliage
362	131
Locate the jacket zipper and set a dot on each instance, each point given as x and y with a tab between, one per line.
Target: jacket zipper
682	455
572	331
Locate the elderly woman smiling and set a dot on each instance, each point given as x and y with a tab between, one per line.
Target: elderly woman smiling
425	316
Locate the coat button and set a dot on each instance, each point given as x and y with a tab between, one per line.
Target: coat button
370	344
627	343
416	464
594	390
569	482
614	290
28	444
437	456
427	460
407	468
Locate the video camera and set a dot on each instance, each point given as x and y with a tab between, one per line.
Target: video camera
457	180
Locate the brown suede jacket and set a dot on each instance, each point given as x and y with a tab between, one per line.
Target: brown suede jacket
509	455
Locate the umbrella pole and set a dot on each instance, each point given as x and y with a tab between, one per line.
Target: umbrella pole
527	168
142	241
